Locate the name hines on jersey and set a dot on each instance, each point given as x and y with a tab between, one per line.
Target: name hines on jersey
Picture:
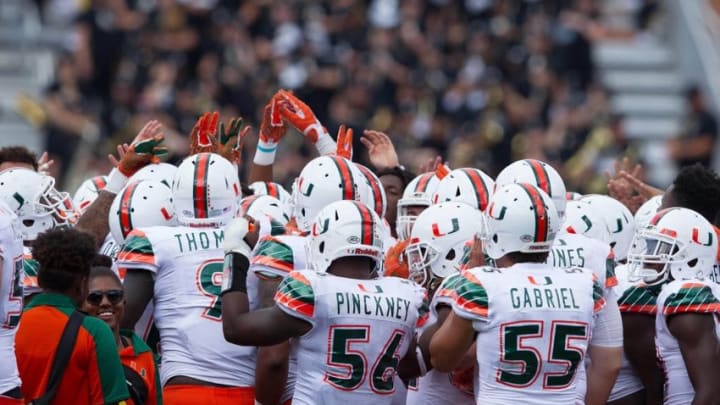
380	306
200	240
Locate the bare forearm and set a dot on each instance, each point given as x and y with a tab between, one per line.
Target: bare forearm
95	219
271	373
601	375
260	173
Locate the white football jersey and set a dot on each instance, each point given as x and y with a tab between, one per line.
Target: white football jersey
360	331
187	264
681	297
110	247
11	295
533	323
627	381
437	387
276	256
574	250
30	268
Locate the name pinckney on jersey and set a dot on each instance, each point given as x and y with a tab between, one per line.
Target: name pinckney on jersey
371	304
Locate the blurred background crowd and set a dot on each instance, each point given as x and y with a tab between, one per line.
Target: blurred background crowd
479	82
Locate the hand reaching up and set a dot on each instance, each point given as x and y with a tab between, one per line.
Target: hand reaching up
381	150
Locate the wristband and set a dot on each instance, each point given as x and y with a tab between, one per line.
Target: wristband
235	269
421	361
265	153
116	181
325	145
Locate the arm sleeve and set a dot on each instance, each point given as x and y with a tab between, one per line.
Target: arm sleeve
295	297
608	331
638	299
272	258
691	297
106	372
137	252
470	298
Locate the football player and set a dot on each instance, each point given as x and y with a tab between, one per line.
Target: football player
11	303
362	325
572	249
530	321
437	242
676	251
40	207
180	269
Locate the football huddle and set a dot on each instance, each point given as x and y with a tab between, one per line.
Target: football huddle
355	285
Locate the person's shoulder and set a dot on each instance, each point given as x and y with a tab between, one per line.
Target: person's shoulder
96	327
682	296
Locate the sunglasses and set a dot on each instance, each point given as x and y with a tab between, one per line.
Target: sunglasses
96	297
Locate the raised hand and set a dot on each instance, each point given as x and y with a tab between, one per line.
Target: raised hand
300	115
381	150
625	185
203	135
146	148
344	142
44	163
431	165
231	139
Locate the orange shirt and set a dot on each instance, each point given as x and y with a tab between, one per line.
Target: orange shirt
93	375
141	359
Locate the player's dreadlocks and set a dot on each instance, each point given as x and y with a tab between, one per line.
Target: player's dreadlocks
65	256
698	189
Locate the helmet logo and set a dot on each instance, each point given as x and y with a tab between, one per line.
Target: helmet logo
307	192
323	228
587	222
19	199
619	226
502	212
696	237
438	233
378	289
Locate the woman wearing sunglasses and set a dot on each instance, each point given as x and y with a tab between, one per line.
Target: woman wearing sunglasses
105	300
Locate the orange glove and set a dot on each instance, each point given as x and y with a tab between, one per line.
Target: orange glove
344	142
441	171
202	136
396	264
300	116
272	129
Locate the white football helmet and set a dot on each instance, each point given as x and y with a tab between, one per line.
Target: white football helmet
647	211
618	219
88	192
519	218
679	242
162	172
438	240
141	204
264	205
581	219
539	174
372	192
418	193
466	185
206	190
573	196
342	229
34	199
324	180
272	189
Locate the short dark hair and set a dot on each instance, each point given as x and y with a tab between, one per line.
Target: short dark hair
102	271
18	154
102	261
65	256
405	176
520	257
698	188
